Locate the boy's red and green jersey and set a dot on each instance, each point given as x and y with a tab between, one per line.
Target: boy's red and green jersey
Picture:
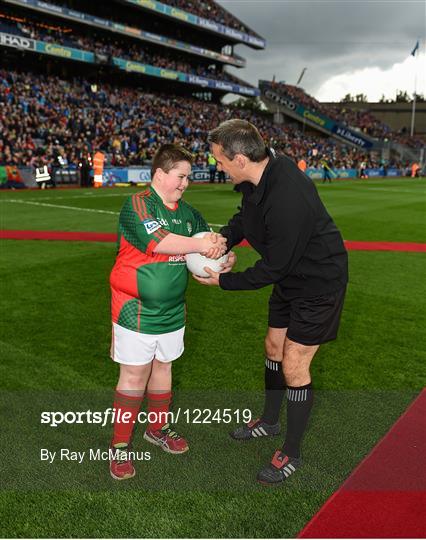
148	288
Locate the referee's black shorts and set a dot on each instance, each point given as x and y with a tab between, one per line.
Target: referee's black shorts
309	321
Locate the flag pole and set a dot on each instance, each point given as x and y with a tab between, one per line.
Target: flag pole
413	110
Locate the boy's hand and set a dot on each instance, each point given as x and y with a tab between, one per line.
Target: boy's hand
215	245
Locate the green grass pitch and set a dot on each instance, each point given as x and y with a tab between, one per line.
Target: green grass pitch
55	335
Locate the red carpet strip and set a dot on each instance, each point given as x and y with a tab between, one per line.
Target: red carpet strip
385	246
110	237
59	235
385	496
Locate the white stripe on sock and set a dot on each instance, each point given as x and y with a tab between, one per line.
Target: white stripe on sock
271	364
297	395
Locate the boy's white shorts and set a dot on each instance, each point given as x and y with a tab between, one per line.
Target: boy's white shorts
136	349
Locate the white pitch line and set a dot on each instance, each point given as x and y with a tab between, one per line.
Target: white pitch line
63	206
87	195
95	210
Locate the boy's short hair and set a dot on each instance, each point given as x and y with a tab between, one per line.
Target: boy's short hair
168	155
239	137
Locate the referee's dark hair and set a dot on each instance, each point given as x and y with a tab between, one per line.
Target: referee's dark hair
239	137
168	155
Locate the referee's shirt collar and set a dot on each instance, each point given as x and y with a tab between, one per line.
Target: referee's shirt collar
259	190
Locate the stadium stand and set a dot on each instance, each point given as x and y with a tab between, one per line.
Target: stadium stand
100	45
42	117
157	17
64	110
203	8
360	119
210	10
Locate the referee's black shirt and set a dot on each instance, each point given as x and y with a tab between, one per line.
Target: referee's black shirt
286	222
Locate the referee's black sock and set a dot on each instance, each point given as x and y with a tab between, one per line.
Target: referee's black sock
274	391
299	404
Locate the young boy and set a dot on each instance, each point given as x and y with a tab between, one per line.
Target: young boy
148	283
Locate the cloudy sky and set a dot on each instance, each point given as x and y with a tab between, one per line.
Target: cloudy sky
347	46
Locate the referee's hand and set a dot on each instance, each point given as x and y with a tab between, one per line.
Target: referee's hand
229	264
212	280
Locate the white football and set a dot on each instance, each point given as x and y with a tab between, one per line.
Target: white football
196	262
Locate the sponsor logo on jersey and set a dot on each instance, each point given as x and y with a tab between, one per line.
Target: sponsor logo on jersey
151	225
162	221
189	227
177	259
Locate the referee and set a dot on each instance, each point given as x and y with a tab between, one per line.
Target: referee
302	254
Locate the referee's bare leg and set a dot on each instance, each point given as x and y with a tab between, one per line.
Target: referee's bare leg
274	343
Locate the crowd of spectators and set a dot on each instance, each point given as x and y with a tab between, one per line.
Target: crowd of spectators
136	52
42	118
208	9
362	120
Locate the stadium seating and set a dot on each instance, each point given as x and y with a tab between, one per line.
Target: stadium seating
360	119
47	120
117	47
208	9
42	117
